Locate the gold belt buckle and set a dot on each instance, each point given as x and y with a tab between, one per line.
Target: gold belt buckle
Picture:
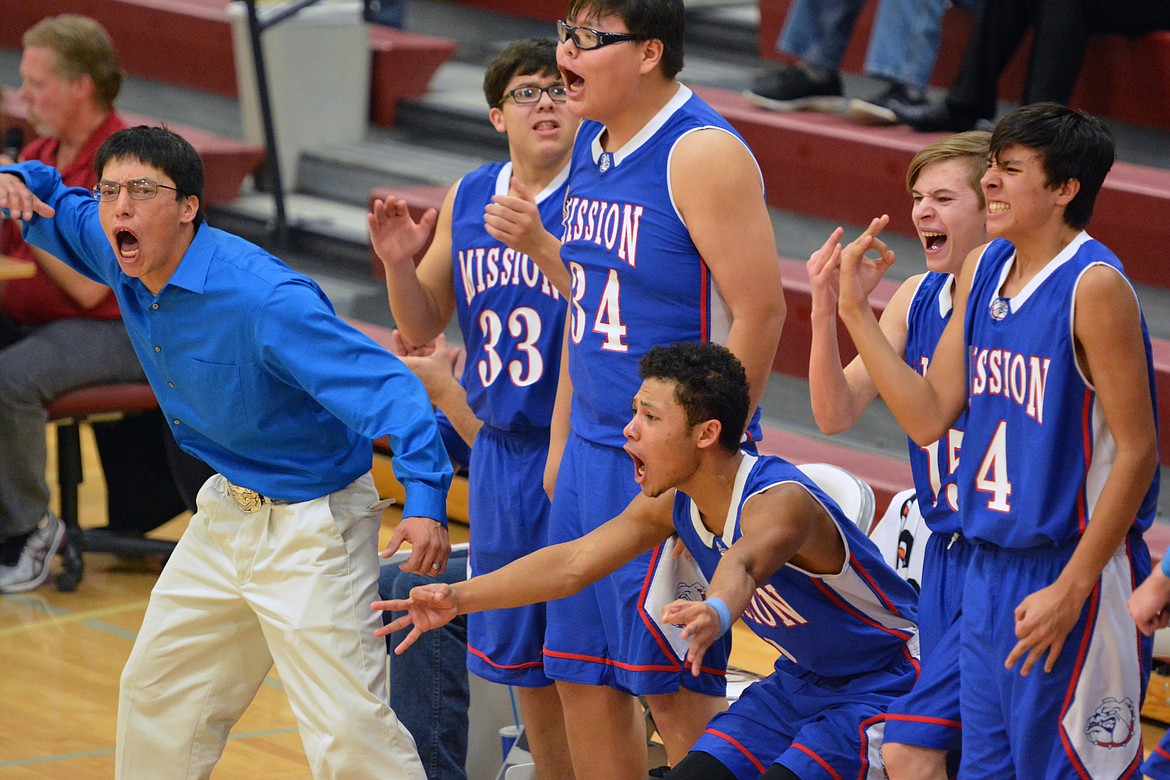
246	500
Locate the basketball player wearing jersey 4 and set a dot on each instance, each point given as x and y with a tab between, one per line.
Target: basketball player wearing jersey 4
1048	352
949	213
511	317
770	545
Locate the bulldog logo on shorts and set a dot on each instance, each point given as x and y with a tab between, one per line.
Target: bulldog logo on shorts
1112	724
690	591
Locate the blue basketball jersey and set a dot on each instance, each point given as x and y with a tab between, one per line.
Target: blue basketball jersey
933	466
511	316
1036	450
629	295
854	622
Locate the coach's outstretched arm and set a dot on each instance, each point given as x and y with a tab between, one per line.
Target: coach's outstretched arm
19	199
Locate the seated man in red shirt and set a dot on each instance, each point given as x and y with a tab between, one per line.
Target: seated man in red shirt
58	329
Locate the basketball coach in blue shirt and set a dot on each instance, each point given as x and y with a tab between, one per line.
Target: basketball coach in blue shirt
259	378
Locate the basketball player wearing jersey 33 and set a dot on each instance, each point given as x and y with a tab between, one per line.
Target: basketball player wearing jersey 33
949	213
769	545
666	238
512	318
1048	353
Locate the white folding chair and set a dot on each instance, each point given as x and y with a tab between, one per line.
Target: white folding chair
852	494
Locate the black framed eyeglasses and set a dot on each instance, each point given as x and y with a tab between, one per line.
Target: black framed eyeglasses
585	38
528	95
138	189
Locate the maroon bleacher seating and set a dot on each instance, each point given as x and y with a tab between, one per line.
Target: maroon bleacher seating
226	161
542	10
190	41
402	66
68	412
419	200
190	44
1120	78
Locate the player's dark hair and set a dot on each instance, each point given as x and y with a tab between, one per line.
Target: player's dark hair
1072	145
520	58
159	148
661	20
710	384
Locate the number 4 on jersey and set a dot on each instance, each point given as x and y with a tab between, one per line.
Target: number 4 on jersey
608	321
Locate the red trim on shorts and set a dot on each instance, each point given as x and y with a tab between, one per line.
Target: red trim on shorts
483	657
823	763
927	719
651	626
1161	751
863	772
608	662
1079	666
739	746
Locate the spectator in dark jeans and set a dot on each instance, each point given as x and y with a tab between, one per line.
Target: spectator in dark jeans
1061	30
428	686
903	47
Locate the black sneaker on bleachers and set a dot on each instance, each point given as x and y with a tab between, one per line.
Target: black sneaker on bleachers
878	110
931	117
792	88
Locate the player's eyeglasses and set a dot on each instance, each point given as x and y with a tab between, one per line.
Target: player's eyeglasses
139	189
529	95
585	38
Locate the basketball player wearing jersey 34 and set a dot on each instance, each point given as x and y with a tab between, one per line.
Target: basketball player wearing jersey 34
949	213
1048	353
666	238
511	318
769	545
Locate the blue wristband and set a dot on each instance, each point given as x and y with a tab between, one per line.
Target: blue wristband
1166	563
722	611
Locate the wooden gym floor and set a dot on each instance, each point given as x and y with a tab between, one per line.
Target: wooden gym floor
61	655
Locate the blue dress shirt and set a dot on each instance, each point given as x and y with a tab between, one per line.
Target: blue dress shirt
254	370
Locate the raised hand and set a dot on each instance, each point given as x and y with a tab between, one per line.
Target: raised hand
394	235
859	274
515	220
823	267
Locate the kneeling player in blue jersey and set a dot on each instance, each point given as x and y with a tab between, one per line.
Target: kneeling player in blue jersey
775	549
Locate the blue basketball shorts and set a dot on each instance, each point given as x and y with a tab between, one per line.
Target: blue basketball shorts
1157	766
1079	720
606	634
820	728
928	716
509	514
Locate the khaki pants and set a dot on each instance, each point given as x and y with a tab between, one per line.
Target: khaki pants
290	584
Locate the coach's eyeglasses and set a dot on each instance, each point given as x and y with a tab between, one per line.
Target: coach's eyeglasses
138	189
529	95
585	38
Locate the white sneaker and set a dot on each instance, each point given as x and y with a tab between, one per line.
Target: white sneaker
32	569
